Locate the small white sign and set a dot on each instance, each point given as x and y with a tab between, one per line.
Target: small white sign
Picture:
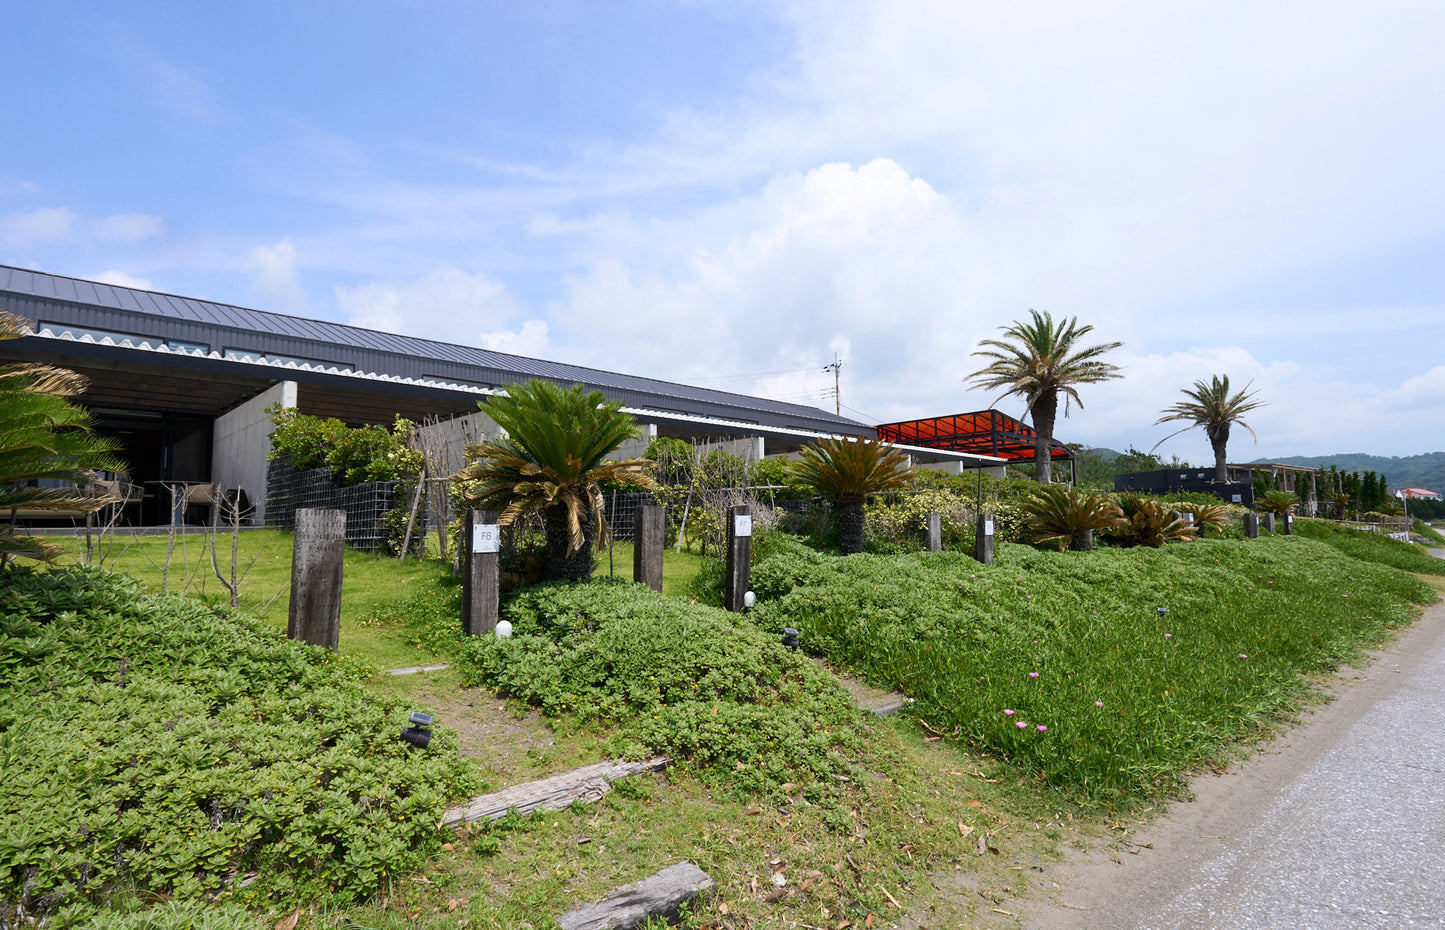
988	527
486	537
1236	498
743	525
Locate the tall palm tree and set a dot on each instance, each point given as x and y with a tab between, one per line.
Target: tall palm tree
1039	361
1211	406
44	437
846	471
550	461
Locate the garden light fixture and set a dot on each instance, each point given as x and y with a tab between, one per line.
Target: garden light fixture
417	734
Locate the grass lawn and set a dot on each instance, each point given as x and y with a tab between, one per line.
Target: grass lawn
369	582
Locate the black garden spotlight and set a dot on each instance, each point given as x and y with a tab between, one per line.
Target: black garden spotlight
417	734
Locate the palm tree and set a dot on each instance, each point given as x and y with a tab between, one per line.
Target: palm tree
550	461
1211	407
1042	361
44	437
846	471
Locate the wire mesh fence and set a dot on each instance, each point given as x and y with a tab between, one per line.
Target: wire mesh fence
289	489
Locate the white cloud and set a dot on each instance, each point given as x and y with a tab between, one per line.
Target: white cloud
864	258
450	305
122	279
276	278
52	226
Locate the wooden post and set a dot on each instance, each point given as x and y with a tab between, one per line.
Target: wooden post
314	616
739	557
1269	522
649	539
1288	527
935	532
1251	526
482	577
983	539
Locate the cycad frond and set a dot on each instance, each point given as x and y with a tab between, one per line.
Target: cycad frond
848	470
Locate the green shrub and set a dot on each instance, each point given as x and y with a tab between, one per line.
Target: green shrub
353	454
698	684
899	523
153	746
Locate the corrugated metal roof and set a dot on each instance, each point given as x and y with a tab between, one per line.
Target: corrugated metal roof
391	354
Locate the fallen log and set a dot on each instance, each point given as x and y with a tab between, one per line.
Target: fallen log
587	784
660	895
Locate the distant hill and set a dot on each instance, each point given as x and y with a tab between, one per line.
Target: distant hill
1410	471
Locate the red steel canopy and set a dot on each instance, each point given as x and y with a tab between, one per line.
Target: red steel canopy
984	432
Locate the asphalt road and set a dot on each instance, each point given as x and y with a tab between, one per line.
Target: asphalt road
1339	823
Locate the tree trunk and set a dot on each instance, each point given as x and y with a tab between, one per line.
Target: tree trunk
849	515
563	563
1219	439
1043	412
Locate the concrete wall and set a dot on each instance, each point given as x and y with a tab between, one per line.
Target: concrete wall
445	443
636	448
241	442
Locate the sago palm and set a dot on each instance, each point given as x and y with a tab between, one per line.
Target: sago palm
1061	515
44	437
1211	406
846	471
1147	522
550	460
1038	361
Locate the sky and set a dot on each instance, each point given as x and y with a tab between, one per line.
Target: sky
735	194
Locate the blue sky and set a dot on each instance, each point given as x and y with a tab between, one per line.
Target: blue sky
730	193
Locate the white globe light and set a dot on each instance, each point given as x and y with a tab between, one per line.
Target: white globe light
504	629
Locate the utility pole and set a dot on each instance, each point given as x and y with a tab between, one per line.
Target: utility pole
837	396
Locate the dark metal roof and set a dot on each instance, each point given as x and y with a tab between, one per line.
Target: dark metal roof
46	298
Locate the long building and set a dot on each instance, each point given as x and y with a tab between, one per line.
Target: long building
184	383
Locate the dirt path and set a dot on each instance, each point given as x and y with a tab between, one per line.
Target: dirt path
1339	823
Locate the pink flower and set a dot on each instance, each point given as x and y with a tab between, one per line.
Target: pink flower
1022	725
1029	596
1007	712
1098	703
1042	728
1033	674
1243	656
1168	635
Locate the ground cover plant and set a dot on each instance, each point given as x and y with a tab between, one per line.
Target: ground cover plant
154	746
1371	547
1109	673
692	682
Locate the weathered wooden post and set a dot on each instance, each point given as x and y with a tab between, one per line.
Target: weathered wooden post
314	616
935	532
1288	526
1251	525
649	538
481	578
1269	522
739	557
983	539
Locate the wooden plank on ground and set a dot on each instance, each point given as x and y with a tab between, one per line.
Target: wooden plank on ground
587	784
660	895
